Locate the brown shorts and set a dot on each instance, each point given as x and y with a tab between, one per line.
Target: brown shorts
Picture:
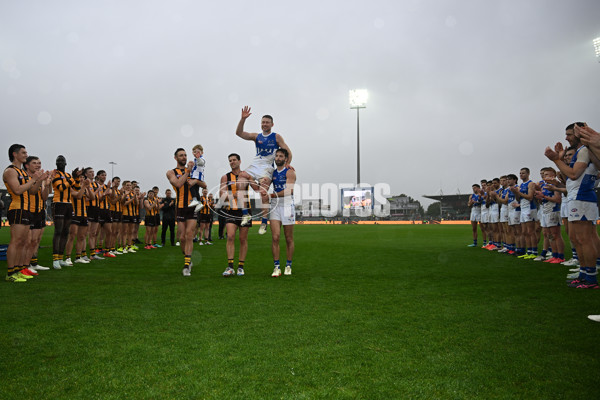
37	220
127	219
104	216
204	218
150	221
235	217
62	210
183	214
79	221
18	217
116	216
92	212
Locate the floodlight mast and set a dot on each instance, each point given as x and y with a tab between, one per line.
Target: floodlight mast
358	99
597	48
112	169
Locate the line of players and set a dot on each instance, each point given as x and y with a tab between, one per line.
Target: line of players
513	216
80	193
86	210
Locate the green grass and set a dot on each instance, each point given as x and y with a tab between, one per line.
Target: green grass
371	312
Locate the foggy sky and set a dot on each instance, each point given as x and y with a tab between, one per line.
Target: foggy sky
459	90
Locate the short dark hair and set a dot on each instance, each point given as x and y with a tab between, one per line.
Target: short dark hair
495	180
476	185
571	126
100	172
268	116
234	155
115	178
513	177
178	150
14	149
30	159
284	151
525	169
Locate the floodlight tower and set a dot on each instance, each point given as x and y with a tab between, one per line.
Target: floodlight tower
597	47
112	169
358	100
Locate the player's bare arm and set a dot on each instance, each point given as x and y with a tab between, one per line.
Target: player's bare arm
502	200
530	192
515	190
178	182
11	178
281	143
47	185
571	173
223	190
240	128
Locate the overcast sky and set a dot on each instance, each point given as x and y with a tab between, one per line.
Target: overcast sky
459	90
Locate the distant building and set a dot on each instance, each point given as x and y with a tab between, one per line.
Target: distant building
404	207
453	206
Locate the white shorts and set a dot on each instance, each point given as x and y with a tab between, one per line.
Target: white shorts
504	213
283	210
583	211
550	219
494	214
528	215
260	169
485	215
564	208
514	217
475	214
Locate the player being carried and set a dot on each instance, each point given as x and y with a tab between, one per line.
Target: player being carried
198	174
260	171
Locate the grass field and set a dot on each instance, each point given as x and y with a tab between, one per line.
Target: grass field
371	312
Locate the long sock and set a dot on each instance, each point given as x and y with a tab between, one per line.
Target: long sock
592	274
241	264
575	254
34	261
288	263
186	261
276	263
230	263
264	221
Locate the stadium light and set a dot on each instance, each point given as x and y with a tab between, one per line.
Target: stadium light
597	47
358	99
112	169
